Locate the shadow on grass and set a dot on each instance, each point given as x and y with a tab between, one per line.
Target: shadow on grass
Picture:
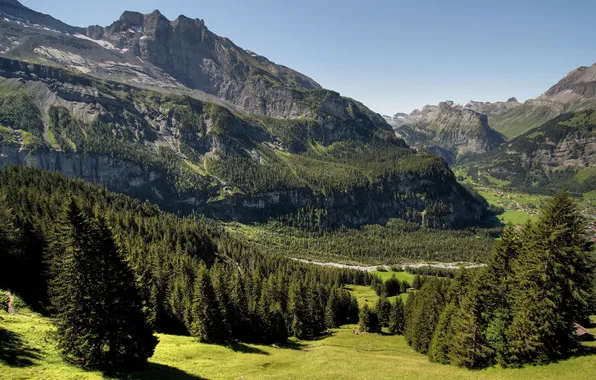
245	349
584	351
14	352
158	371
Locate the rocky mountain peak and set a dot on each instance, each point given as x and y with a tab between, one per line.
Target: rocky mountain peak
512	100
132	18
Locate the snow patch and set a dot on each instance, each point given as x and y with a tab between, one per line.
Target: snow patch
102	43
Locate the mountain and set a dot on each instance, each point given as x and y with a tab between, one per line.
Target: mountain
575	92
449	130
559	154
170	112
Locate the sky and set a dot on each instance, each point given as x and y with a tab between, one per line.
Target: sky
394	56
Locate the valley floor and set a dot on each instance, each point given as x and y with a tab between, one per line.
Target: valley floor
28	352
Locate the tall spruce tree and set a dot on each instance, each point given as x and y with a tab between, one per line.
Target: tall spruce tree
368	320
468	345
397	317
97	308
552	282
422	316
496	292
205	316
442	342
383	310
333	309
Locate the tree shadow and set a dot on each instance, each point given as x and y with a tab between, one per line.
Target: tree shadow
14	351
245	349
158	371
584	350
291	345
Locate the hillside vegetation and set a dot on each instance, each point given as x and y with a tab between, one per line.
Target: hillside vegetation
191	155
559	154
341	354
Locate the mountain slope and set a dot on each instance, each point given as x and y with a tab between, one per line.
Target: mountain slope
149	50
190	155
447	130
560	153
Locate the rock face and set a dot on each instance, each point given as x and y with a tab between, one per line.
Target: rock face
152	51
448	129
189	155
577	86
15	10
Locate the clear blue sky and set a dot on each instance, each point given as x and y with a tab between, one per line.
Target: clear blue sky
391	55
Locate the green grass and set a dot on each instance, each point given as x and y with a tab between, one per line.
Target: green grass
399	275
341	355
584	174
364	294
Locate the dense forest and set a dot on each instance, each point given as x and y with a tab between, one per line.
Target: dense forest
187	273
396	242
521	308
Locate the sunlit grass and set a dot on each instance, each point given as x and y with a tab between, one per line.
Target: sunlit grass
341	355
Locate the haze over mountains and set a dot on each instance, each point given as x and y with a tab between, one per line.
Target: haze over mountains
168	111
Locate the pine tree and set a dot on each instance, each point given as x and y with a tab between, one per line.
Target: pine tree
397	317
206	318
332	310
297	311
468	346
369	321
97	308
441	343
383	310
417	282
496	292
422	315
552	282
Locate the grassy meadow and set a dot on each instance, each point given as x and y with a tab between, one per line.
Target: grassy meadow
28	352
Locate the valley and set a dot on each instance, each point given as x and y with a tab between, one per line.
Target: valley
175	206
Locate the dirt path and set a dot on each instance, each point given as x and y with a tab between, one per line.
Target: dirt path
10	308
375	267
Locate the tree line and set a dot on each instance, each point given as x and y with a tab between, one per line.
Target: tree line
521	308
101	263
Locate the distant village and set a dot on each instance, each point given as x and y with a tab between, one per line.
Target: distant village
530	209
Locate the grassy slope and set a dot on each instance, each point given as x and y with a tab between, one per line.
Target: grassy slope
386	275
343	354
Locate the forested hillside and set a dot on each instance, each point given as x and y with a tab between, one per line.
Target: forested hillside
559	154
256	296
190	155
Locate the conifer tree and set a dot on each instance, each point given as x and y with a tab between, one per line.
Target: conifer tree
422	315
369	321
552	282
497	289
383	310
417	282
97	308
397	317
332	309
206	318
468	346
441	343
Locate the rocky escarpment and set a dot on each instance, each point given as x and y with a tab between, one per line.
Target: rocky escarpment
447	129
577	86
188	155
14	9
181	56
